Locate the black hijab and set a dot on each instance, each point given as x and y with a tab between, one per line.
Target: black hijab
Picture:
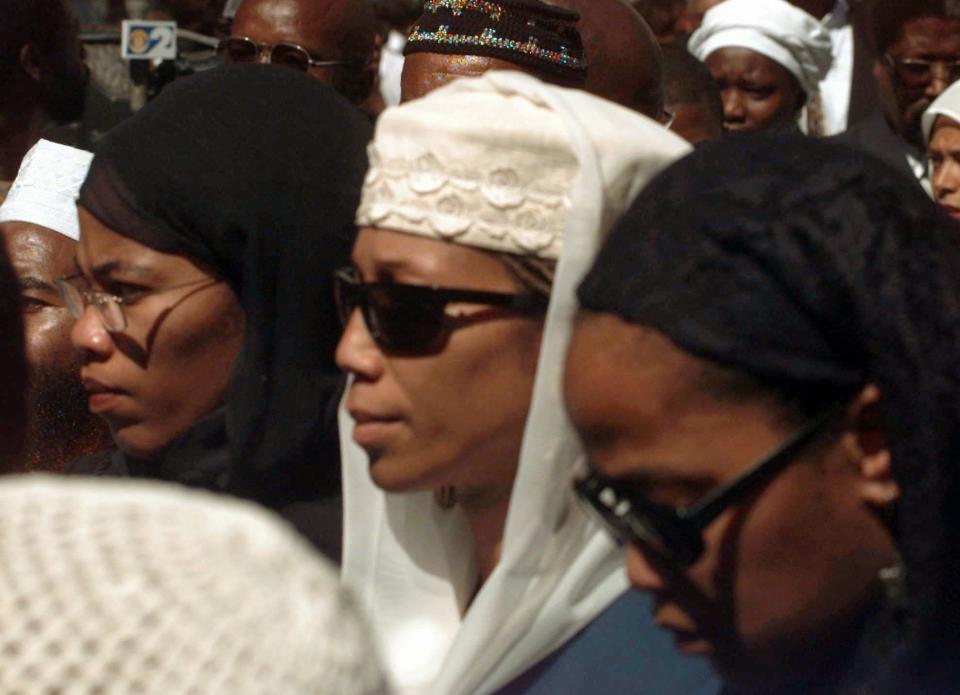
13	368
254	171
805	263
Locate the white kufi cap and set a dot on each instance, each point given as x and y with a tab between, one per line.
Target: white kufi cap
774	28
476	168
46	188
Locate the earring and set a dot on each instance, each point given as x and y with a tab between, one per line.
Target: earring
893	582
445	497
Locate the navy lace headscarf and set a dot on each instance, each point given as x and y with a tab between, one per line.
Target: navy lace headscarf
804	263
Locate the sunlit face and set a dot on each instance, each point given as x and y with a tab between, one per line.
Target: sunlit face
455	417
757	92
425	72
905	98
169	368
786	571
944	155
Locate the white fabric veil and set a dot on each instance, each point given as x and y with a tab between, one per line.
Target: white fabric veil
409	563
947	104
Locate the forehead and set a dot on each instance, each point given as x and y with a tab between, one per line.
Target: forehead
946	133
425	72
929	37
311	23
37	249
743	63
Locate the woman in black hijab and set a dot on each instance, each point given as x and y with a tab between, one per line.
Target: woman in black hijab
766	376
211	224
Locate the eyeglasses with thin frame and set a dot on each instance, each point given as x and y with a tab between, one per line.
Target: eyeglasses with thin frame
412	319
243	49
917	72
674	535
110	307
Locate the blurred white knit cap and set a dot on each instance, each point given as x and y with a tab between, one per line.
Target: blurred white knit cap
46	188
144	587
774	28
478	168
947	104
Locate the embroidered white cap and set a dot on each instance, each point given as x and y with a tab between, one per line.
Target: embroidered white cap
46	188
478	168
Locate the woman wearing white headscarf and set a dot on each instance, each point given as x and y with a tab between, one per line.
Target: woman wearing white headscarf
484	204
768	58
941	131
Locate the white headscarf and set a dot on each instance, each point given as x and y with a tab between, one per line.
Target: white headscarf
947	104
410	563
45	190
773	28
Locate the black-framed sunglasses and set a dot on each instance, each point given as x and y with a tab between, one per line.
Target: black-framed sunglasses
916	72
412	319
243	49
675	534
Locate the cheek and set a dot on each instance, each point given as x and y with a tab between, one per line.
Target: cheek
48	339
769	111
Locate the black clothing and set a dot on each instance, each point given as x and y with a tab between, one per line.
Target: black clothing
808	264
874	135
255	172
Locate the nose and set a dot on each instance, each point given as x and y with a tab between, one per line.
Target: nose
733	110
357	352
90	337
939	79
642	573
264	54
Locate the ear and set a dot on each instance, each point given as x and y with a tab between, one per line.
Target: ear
30	62
866	446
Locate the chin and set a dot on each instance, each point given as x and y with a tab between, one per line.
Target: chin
137	442
401	473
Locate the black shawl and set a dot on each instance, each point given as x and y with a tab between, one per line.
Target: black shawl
254	171
807	263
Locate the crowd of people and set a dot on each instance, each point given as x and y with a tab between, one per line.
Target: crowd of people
484	346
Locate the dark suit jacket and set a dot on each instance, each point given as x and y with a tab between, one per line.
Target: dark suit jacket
873	135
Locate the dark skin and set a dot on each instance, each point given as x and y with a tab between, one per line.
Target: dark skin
905	98
425	72
757	93
329	29
61	427
694	122
623	55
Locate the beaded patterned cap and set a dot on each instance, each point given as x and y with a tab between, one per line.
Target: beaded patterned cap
529	33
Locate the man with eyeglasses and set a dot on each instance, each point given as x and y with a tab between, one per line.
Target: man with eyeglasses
331	40
918	57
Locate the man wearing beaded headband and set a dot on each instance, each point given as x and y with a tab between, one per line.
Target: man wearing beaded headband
464	38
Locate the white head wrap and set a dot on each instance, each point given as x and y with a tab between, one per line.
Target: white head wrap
561	166
145	587
947	104
773	28
45	190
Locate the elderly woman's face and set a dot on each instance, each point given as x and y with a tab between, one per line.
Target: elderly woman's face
455	416
757	93
169	368
944	155
787	570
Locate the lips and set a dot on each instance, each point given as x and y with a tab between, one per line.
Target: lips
952	211
372	430
103	398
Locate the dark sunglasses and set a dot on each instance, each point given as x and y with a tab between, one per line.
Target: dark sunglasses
916	72
412	318
241	49
674	535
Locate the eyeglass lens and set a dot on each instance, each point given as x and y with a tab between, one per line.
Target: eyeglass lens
921	72
110	312
242	50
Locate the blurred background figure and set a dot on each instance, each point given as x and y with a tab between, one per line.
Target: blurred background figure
38	222
941	130
623	58
448	42
768	59
691	96
333	41
42	76
394	19
664	17
122	586
692	16
917	47
13	374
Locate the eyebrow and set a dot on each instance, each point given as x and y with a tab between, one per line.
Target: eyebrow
30	282
104	269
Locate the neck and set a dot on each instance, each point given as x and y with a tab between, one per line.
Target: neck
19	131
486	513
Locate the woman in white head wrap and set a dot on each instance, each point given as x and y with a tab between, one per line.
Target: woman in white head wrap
146	587
941	131
462	538
768	58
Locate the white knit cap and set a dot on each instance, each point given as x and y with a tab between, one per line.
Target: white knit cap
144	587
773	28
492	171
46	188
947	104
